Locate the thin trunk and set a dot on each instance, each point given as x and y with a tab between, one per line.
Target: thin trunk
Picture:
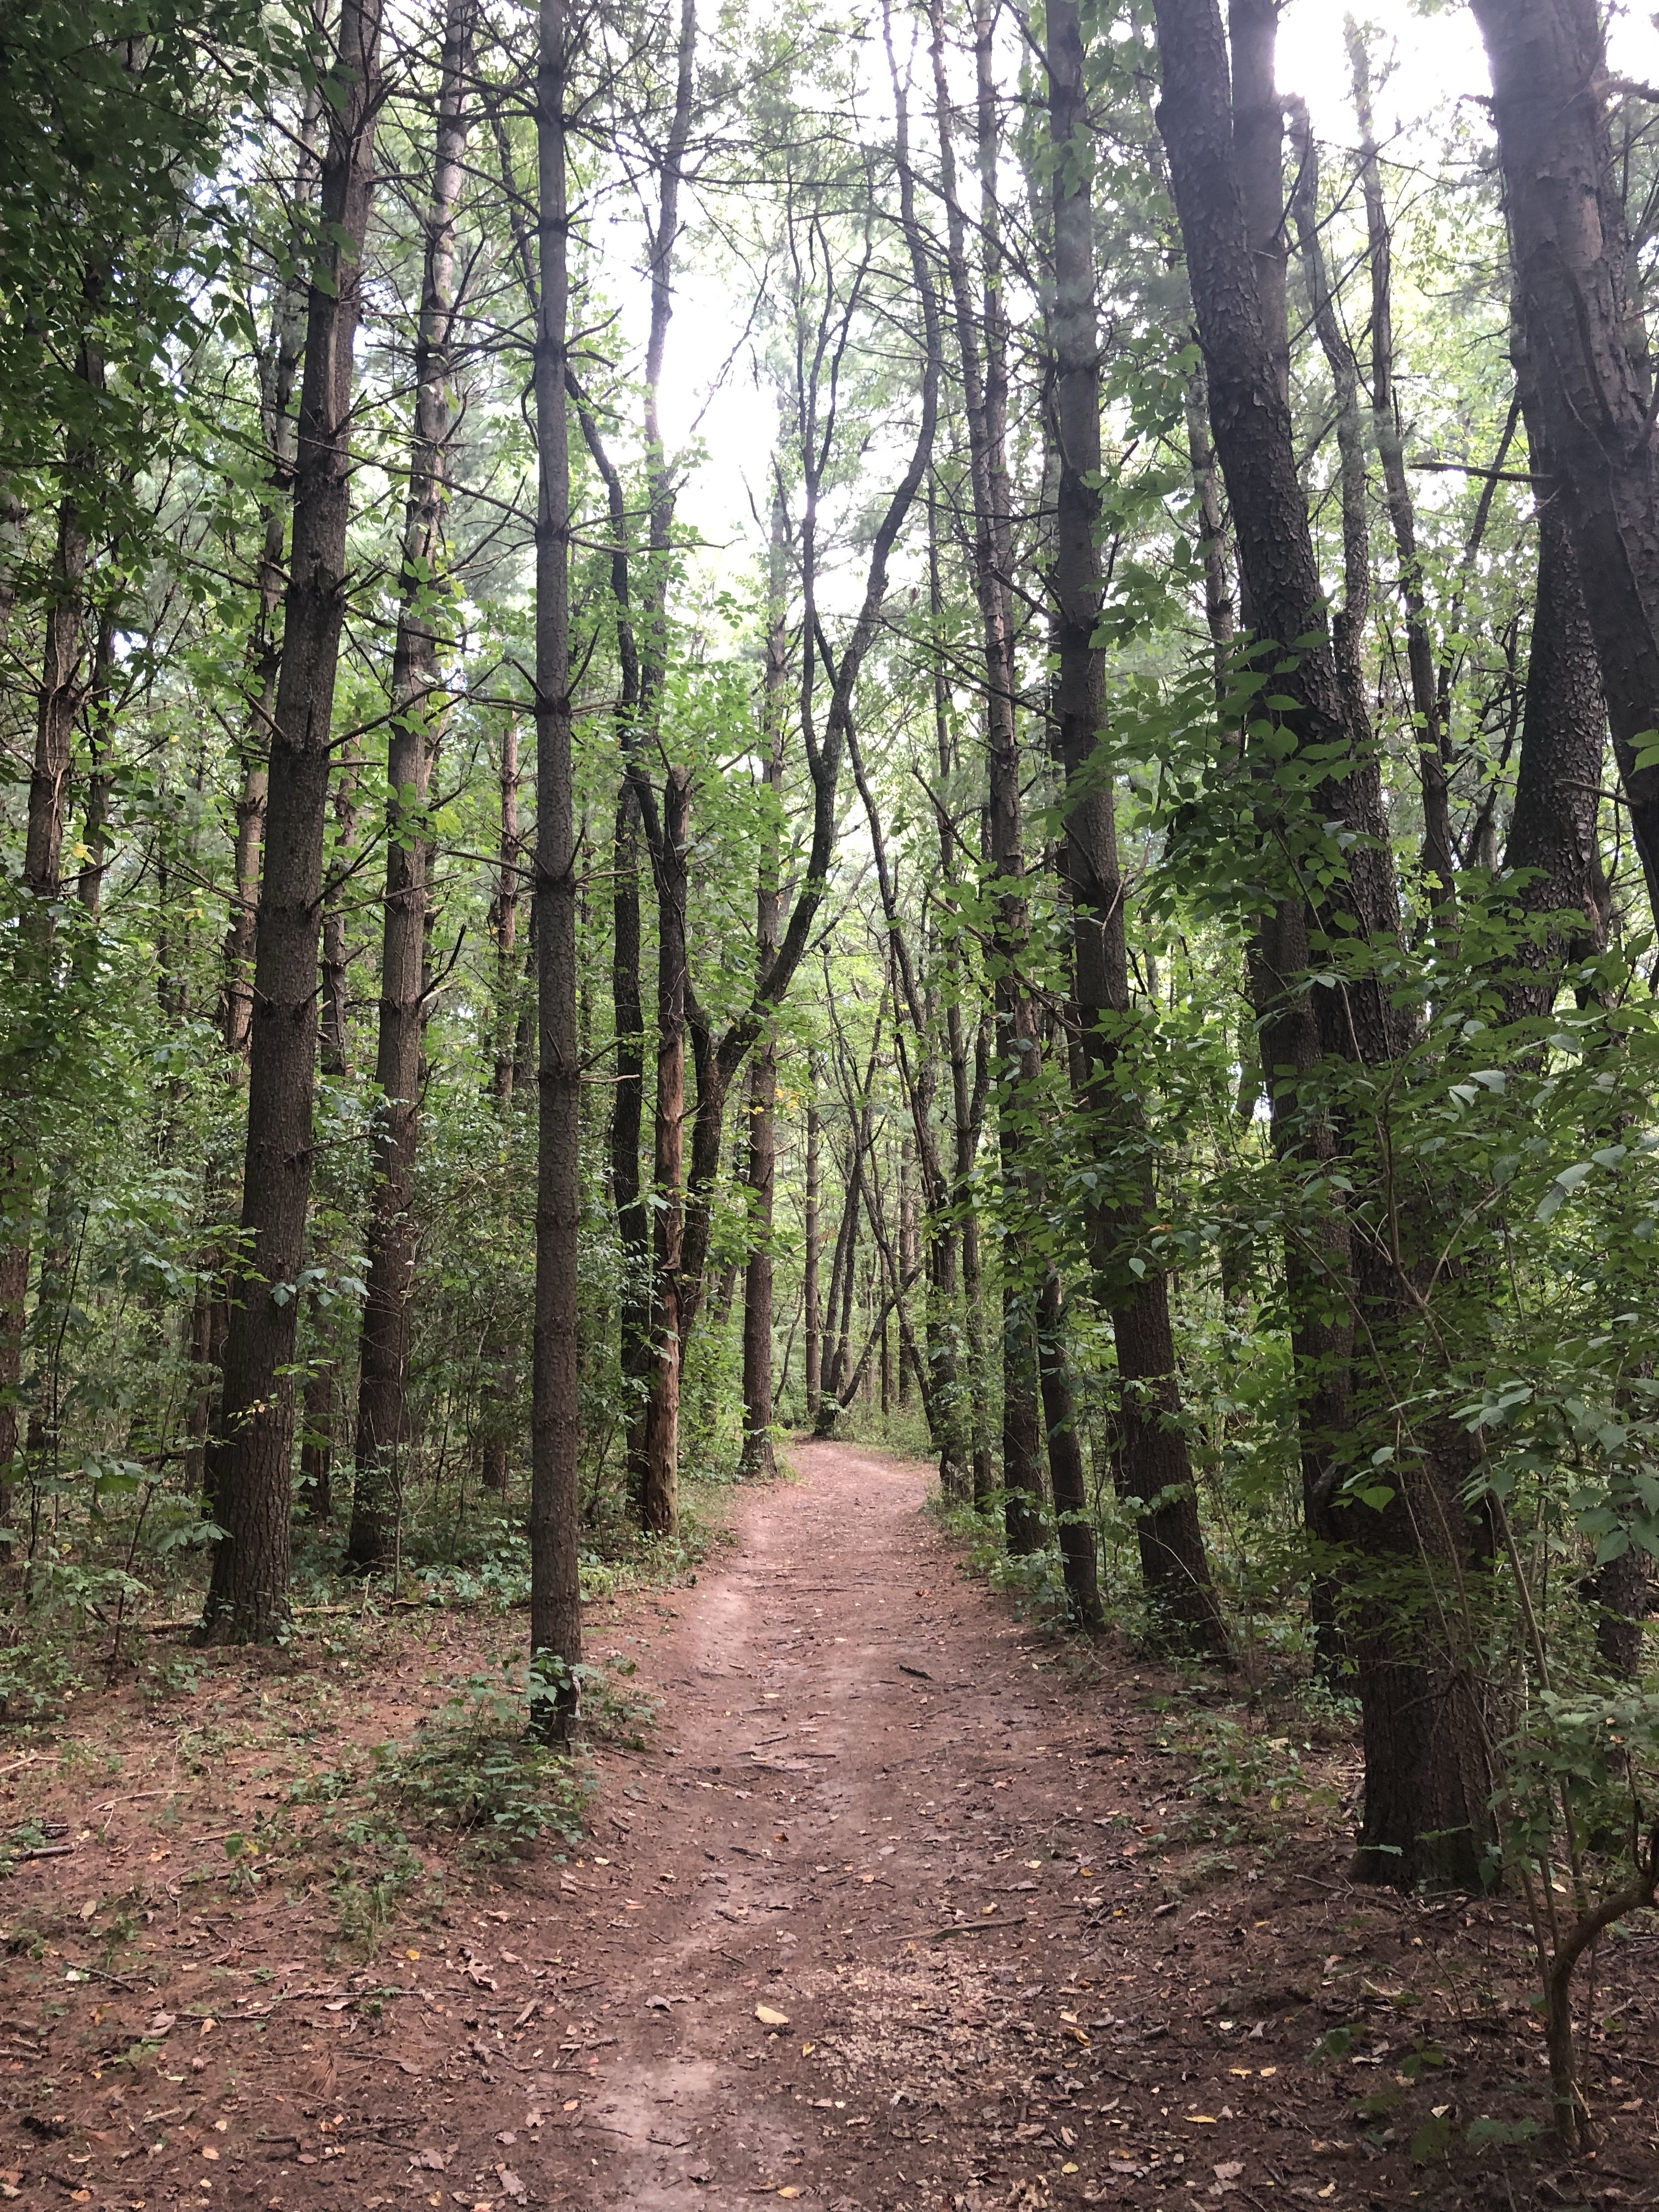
1432	740
1153	1465
335	1038
758	1459
719	1063
249	1469
417	704
1074	1520
63	690
985	387
504	916
660	1498
555	1620
498	1384
811	1321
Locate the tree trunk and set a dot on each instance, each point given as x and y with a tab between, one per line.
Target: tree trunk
757	1458
63	689
417	706
1554	840
1429	734
335	1036
1153	1466
1570	242
1427	1803
250	1463
812	1320
504	916
279	368
555	1620
659	1499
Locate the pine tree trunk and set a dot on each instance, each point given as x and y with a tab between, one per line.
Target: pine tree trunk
555	1620
279	368
417	705
250	1463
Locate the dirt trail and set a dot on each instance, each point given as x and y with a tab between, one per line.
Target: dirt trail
1021	1959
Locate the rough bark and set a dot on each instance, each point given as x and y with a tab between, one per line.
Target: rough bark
1153	1465
417	707
555	1620
1554	842
1427	1803
279	368
1571	249
249	1463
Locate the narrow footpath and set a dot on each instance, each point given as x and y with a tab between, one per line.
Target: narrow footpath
908	1906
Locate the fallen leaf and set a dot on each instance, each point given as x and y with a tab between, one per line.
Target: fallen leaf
767	2017
162	2024
1227	2174
511	2184
1201	2119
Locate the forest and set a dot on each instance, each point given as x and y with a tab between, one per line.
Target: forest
935	728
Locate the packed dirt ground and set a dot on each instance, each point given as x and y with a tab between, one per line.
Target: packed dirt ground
904	1904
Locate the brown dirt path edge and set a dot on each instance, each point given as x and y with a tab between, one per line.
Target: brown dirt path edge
879	1805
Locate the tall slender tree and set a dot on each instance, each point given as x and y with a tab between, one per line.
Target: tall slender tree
249	1461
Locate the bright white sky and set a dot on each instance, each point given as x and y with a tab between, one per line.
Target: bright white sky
1439	61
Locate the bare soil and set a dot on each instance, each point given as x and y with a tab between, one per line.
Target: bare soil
906	1905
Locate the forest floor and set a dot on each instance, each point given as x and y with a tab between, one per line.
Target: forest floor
907	1904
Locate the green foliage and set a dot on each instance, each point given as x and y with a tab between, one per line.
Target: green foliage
477	1770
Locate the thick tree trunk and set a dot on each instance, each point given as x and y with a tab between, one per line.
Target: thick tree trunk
250	1463
417	705
1153	1465
1554	836
279	368
1569	240
555	1620
1427	1809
